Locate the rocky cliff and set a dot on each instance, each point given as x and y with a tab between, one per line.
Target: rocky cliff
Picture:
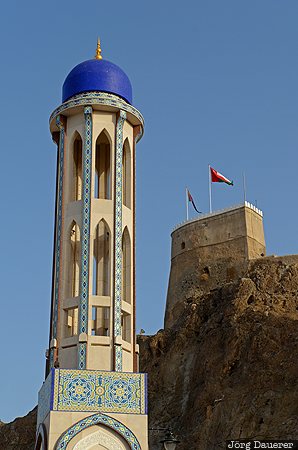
19	434
226	369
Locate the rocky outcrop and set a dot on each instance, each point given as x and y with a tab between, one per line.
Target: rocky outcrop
19	434
228	367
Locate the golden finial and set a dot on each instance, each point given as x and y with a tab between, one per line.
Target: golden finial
98	50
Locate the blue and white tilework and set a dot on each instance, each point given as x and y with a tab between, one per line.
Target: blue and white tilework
58	237
93	391
98	98
118	238
84	295
98	419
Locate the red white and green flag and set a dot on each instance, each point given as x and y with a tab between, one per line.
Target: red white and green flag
217	177
190	199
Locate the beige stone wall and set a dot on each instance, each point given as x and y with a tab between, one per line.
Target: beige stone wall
58	422
212	250
255	234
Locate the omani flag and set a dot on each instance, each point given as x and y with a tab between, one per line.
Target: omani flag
217	177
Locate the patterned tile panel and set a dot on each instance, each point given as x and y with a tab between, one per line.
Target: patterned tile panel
97	419
94	391
118	238
84	296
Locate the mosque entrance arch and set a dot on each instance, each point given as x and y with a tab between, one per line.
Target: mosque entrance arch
120	436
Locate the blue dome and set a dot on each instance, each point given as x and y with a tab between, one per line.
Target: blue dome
97	75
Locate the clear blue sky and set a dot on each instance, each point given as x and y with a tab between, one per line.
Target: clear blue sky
216	82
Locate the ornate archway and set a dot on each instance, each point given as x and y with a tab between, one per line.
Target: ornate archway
98	419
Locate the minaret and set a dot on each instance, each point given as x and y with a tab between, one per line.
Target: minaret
93	395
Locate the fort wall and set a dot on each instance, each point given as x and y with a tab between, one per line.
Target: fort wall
211	250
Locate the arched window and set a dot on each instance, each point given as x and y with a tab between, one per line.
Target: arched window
73	278
102	185
126	174
77	168
126	266
101	260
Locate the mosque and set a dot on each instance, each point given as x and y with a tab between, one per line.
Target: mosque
93	396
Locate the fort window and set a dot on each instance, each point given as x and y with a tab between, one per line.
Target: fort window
206	270
182	245
126	174
102	184
77	168
250	300
74	252
126	266
101	260
100	324
126	326
71	322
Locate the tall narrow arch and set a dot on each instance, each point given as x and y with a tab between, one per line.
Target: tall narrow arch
77	164
126	266
101	259
74	258
126	174
102	181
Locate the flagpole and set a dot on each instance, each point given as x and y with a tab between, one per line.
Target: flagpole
210	199
244	187
186	198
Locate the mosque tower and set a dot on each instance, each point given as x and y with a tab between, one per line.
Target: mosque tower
93	396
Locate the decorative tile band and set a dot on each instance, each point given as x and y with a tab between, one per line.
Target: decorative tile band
98	419
118	238
118	358
84	294
92	391
82	355
97	98
60	122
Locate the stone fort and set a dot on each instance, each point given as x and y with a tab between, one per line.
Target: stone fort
211	250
